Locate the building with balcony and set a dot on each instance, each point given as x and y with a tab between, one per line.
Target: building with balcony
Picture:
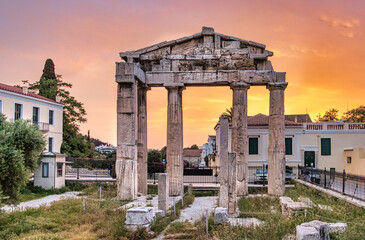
319	145
20	103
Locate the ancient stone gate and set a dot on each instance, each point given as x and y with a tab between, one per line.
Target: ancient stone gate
203	59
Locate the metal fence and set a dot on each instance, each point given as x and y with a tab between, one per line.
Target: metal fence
342	182
209	176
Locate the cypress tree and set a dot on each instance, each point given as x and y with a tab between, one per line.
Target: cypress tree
48	70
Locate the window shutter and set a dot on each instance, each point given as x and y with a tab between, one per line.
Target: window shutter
288	146
253	146
325	146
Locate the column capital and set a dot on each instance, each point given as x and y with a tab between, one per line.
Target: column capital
239	85
277	86
180	86
143	86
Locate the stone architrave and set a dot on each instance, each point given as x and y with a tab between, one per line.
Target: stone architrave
224	161
276	150
239	135
142	140
174	152
163	192
232	182
126	162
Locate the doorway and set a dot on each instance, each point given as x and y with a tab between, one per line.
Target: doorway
309	159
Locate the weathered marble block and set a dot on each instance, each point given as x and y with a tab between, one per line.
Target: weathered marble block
139	217
307	233
220	215
321	227
337	227
289	207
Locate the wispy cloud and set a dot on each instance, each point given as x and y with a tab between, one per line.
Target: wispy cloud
342	25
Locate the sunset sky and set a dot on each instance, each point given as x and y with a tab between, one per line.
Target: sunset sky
320	44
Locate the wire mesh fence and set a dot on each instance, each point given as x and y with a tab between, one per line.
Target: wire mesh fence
342	182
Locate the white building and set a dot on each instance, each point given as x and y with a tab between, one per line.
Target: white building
106	149
20	103
320	145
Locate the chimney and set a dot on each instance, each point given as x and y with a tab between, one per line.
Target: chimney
25	90
58	99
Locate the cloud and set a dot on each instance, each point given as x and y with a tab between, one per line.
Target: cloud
341	24
336	22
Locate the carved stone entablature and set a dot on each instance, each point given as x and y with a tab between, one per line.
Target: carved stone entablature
201	59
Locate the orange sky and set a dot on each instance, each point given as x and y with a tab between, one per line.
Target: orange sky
320	44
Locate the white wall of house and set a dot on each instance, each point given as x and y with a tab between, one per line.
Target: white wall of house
53	130
343	140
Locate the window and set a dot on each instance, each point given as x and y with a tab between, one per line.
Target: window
50	144
51	116
18	111
326	146
45	170
288	146
349	160
253	146
59	169
1	106
35	115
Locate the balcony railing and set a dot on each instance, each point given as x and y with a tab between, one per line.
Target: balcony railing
333	126
44	127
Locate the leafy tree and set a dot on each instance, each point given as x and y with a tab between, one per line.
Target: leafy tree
21	148
154	160
228	113
163	152
329	116
194	146
355	115
51	85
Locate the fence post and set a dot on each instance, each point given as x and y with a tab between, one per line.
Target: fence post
78	172
343	181
263	174
325	177
154	178
100	193
206	221
83	204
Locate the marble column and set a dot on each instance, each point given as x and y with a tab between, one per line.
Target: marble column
276	157
126	162
142	140
224	162
174	161
239	135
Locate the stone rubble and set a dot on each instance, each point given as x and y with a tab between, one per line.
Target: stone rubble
139	217
289	207
318	230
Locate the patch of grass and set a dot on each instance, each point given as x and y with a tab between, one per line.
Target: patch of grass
152	189
206	193
257	190
276	226
108	191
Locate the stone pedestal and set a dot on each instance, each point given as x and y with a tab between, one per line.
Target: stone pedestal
175	165
126	162
223	156
163	192
276	157
220	215
142	140
239	135
139	217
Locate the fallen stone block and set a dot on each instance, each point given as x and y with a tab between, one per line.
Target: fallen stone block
307	233
220	215
139	217
325	207
244	222
307	201
289	207
322	228
337	227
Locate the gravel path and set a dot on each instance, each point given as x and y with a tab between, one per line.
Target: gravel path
46	201
194	212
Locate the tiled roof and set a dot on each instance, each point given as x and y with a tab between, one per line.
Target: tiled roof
20	91
263	120
192	152
299	118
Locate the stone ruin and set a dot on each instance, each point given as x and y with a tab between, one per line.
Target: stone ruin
203	59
